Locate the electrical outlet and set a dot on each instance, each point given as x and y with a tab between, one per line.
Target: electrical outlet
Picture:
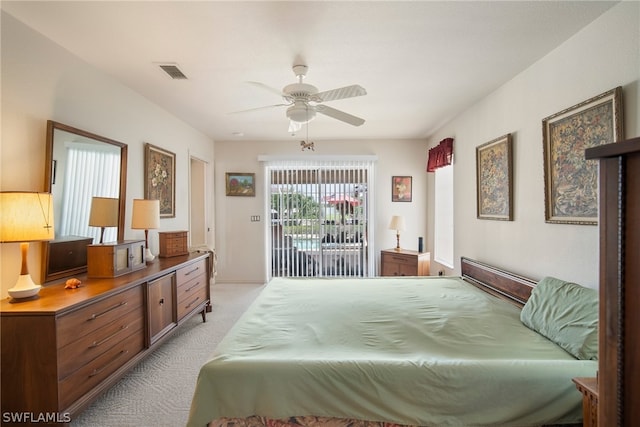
441	273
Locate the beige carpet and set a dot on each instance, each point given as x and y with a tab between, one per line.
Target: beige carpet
158	391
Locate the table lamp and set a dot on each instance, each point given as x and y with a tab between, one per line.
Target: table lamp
104	213
397	223
146	216
25	217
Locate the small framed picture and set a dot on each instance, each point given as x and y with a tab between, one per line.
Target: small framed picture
240	184
401	188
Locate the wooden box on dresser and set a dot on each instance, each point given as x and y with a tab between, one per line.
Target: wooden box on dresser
172	243
64	348
618	384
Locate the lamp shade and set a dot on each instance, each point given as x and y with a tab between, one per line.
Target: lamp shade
397	223
26	216
104	212
146	214
301	113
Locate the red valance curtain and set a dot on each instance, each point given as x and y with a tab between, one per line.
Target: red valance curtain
440	155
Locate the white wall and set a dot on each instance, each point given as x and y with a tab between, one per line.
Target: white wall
241	243
40	82
603	55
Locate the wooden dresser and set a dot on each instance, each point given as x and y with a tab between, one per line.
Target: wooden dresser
404	262
618	387
64	348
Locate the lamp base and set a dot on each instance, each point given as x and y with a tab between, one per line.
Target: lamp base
24	287
148	256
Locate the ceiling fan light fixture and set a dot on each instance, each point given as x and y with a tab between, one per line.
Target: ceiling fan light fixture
301	113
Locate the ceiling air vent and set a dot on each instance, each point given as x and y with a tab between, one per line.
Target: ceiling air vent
173	71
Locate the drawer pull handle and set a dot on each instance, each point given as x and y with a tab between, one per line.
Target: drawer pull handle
192	302
193	287
104	340
192	271
95	316
98	370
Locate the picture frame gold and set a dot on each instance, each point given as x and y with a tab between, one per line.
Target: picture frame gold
570	181
240	184
159	179
494	170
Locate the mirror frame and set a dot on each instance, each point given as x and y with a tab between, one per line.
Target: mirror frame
51	127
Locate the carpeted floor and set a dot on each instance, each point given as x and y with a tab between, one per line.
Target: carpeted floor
158	391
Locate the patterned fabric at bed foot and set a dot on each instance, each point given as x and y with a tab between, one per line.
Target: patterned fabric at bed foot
308	421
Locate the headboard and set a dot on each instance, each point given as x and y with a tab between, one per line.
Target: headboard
501	283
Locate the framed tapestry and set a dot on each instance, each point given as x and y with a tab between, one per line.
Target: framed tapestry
159	180
401	189
494	169
240	184
570	181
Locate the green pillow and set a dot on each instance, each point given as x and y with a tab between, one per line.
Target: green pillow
565	313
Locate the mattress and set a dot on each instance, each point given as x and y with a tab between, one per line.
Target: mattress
429	351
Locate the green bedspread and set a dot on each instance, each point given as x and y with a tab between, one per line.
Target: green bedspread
418	351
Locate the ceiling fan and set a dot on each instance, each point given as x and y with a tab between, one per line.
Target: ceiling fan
303	101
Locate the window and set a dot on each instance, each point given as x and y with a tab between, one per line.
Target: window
443	221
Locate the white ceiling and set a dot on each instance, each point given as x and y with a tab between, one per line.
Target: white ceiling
421	62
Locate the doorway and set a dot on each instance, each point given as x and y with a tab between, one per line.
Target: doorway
198	227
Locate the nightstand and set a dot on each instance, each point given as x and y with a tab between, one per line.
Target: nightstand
589	389
404	262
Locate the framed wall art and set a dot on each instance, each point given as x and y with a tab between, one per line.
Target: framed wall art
570	181
240	184
160	178
494	169
401	188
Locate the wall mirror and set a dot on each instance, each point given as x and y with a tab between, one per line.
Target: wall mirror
79	166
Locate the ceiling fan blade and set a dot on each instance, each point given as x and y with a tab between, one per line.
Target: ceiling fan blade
341	93
266	87
339	115
259	108
294	126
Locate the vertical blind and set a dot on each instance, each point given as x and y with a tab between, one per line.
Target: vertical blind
320	213
90	172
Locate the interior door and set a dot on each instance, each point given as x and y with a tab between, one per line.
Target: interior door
198	228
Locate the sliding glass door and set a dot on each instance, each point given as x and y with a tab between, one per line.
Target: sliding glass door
320	215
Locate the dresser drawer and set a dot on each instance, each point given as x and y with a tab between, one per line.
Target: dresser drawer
186	288
192	270
95	316
80	352
91	374
400	259
190	301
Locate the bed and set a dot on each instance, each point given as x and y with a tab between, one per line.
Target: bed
415	351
